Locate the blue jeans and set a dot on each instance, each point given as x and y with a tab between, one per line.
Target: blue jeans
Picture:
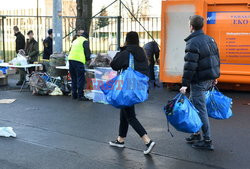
198	98
77	73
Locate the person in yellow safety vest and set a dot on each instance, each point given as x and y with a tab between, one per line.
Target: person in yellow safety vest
78	56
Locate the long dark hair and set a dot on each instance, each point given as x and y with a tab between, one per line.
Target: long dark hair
132	38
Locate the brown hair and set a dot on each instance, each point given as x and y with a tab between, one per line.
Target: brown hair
196	22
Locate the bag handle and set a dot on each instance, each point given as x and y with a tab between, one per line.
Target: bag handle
131	61
178	96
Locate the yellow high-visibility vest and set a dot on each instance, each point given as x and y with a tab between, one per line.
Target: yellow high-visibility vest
77	51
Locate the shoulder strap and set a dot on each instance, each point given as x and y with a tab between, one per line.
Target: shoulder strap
131	61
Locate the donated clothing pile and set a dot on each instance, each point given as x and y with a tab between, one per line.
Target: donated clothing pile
102	60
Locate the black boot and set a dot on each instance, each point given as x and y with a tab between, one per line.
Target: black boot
204	144
83	98
193	138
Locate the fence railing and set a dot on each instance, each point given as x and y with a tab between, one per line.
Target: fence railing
103	32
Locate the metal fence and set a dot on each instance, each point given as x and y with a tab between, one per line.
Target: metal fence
103	32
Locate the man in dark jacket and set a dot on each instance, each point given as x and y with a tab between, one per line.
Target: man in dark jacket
20	39
152	51
201	69
31	51
31	48
48	45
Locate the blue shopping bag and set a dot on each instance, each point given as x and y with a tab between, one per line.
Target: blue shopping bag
218	105
128	88
183	116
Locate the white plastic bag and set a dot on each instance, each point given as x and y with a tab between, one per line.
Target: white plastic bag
56	92
7	132
22	60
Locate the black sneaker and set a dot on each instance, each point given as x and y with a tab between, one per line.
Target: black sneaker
193	138
204	144
83	99
116	143
150	147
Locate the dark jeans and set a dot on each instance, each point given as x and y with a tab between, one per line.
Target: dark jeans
22	74
77	73
198	98
128	117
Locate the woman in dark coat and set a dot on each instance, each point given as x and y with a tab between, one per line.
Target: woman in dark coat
127	115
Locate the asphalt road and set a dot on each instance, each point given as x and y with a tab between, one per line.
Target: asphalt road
59	133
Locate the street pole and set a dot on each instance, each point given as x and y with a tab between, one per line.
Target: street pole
57	26
119	25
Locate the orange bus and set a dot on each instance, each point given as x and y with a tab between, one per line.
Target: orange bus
228	22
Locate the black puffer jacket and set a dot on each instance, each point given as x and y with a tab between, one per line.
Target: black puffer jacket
121	59
202	61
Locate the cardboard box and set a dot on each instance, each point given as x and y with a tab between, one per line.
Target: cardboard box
3	80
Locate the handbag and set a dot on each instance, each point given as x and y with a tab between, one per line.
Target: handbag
130	87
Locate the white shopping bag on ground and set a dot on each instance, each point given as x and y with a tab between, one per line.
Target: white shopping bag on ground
7	132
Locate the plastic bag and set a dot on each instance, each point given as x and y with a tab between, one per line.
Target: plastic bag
218	105
7	132
184	116
21	60
56	92
128	88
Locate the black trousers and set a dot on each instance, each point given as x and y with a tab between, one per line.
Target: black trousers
77	73
151	71
128	117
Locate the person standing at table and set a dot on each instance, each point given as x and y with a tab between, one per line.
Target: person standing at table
79	54
31	48
20	39
48	45
152	51
31	51
48	49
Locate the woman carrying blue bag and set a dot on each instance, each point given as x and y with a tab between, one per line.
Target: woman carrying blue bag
127	114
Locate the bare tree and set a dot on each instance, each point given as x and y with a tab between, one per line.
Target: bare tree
138	8
84	14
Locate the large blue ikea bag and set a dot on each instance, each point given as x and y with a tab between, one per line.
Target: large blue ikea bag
128	88
184	116
218	105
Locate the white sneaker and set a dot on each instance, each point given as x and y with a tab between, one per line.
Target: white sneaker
150	147
116	143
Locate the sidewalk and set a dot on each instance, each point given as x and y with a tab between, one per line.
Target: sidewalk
59	133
